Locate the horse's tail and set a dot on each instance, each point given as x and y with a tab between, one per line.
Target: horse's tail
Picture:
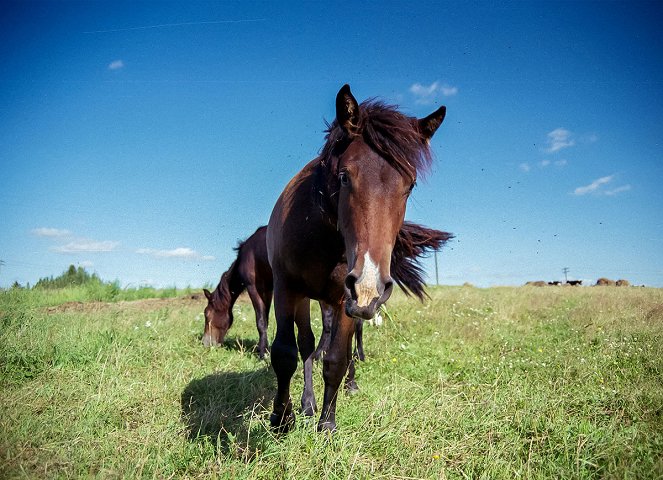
412	243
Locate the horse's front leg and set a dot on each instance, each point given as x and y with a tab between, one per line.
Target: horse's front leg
284	358
335	365
306	344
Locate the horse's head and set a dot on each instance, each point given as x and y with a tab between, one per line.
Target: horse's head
373	153
217	322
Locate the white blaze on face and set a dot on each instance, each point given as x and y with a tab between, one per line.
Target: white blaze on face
367	284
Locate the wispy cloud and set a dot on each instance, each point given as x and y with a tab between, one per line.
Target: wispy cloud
51	232
615	191
542	164
448	91
86	264
185	24
559	139
427	94
590	138
116	65
594	186
181	252
599	186
86	246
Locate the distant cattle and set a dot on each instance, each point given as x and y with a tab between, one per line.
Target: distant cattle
623	283
605	282
538	283
574	283
555	283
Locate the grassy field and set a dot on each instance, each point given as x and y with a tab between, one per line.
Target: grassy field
475	383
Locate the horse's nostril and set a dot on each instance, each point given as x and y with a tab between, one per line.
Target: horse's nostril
388	287
350	281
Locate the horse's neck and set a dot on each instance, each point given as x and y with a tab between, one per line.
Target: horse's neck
230	287
325	198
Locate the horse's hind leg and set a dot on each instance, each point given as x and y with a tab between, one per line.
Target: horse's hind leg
261	307
327	313
284	357
306	344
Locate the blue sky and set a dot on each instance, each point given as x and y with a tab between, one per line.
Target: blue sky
143	139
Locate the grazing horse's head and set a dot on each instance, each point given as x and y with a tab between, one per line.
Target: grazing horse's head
218	319
373	154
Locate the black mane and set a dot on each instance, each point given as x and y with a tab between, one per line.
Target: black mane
394	136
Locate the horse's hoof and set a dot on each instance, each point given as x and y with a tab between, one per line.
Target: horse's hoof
309	410
351	388
326	426
282	423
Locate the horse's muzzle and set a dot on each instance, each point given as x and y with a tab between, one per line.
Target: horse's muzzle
352	306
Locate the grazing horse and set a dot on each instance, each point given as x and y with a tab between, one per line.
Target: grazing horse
251	271
331	235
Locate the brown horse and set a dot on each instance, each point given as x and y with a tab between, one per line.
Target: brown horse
330	237
251	272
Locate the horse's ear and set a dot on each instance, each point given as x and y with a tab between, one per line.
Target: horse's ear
207	294
428	125
347	111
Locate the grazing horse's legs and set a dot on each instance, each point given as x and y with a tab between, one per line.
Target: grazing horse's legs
261	307
284	357
306	344
325	339
335	365
359	335
327	318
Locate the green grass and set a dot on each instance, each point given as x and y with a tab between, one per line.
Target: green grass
475	383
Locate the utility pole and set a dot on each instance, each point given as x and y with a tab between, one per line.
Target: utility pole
565	270
437	280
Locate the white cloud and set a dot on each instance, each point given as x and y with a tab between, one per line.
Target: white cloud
181	252
544	163
561	163
594	186
87	246
448	91
590	138
615	191
559	139
525	167
116	65
50	232
425	95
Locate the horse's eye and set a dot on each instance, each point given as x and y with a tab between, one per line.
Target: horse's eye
343	177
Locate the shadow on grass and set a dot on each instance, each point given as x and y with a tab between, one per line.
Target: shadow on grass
238	344
227	407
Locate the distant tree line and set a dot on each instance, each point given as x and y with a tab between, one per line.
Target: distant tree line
71	277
